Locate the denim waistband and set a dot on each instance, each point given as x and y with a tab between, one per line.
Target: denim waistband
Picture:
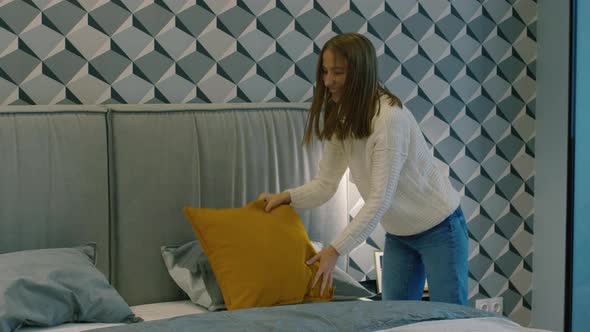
456	213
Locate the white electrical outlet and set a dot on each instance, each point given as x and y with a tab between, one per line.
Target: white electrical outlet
494	304
482	304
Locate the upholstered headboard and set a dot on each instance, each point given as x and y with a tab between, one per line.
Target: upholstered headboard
54	178
167	157
119	175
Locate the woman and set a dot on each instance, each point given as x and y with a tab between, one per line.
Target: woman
367	129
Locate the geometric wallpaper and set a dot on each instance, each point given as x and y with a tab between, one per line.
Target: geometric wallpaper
464	68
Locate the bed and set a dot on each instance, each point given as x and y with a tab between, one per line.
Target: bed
93	234
185	313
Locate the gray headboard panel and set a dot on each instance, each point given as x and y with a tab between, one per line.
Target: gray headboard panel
54	178
211	155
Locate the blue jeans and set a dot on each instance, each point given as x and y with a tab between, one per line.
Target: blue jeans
441	253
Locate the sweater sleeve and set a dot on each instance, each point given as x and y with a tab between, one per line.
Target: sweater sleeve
324	185
390	151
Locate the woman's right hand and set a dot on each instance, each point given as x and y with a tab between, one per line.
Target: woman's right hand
274	200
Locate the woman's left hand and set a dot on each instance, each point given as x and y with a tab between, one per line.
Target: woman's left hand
327	258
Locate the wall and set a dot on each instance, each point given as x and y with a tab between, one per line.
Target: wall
465	68
581	227
551	165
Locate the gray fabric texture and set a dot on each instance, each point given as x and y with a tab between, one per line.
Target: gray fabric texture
166	157
189	267
353	316
54	178
347	288
48	287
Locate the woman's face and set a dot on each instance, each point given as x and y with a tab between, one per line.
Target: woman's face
334	73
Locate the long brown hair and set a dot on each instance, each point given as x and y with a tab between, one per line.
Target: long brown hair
351	117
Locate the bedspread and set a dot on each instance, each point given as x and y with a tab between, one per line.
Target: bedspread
333	316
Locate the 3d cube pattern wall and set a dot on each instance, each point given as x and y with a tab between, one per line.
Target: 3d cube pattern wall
465	68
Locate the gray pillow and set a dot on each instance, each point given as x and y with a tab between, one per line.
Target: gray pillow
48	287
189	267
347	288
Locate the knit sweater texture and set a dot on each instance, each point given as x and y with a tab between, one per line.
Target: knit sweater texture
395	173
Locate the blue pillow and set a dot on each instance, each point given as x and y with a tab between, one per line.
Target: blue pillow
48	287
190	269
347	288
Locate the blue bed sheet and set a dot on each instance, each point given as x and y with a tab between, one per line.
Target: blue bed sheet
332	316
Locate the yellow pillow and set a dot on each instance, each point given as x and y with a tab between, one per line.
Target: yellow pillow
258	258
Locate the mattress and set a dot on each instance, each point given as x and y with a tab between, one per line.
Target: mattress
483	324
148	312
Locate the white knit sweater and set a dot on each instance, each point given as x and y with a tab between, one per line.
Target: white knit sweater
395	173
